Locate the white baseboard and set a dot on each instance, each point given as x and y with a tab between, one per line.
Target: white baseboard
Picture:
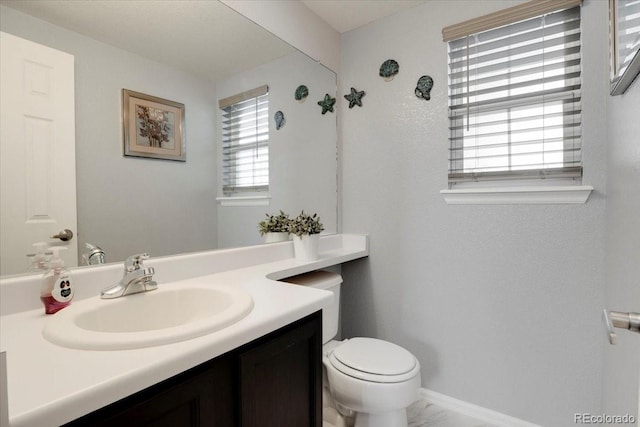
471	410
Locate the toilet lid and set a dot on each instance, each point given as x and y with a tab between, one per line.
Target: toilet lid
373	356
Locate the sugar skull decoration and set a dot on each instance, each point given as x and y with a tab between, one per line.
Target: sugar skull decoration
423	88
388	69
279	118
301	93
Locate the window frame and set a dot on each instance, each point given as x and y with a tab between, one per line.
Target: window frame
255	190
506	187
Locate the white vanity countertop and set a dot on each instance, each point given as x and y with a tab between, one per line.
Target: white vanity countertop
52	385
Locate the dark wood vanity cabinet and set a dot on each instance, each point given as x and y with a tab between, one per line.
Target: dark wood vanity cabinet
281	379
275	380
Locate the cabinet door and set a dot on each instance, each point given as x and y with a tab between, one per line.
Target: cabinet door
281	379
200	397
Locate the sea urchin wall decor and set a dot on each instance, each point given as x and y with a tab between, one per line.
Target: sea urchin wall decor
301	92
423	88
355	98
327	103
389	68
279	118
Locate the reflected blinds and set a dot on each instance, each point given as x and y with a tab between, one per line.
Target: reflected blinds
245	142
628	31
515	100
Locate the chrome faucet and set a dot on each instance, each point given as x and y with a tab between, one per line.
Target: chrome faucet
95	256
137	278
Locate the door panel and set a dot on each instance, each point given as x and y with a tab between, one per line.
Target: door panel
37	140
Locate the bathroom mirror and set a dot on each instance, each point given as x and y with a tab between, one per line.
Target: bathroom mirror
193	53
624	35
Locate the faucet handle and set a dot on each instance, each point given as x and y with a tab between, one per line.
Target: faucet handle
134	262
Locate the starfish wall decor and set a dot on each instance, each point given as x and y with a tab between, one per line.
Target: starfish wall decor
327	103
355	98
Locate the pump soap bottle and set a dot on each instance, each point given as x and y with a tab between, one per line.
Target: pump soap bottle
39	262
56	292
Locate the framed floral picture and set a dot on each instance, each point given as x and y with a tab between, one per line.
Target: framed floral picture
152	127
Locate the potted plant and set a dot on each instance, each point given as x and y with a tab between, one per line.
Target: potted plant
305	230
275	228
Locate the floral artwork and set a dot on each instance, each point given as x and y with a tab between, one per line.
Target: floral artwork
153	127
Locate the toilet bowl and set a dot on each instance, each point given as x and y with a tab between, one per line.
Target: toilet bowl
371	380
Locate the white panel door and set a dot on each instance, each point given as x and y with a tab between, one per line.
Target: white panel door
37	142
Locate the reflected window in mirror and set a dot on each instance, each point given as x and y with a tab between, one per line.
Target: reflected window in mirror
245	143
624	27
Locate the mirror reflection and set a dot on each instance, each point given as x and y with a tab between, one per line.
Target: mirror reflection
192	53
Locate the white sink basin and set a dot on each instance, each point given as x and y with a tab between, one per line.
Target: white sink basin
147	319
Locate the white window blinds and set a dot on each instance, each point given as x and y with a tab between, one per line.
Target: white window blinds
514	99
245	142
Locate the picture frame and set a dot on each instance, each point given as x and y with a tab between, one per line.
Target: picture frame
624	41
153	127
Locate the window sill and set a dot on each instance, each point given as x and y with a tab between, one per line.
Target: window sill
535	195
244	201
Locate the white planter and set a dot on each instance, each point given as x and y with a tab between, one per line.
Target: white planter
272	237
306	247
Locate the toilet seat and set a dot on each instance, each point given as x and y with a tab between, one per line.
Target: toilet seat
374	360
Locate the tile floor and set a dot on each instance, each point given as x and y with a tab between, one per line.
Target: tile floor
425	414
419	414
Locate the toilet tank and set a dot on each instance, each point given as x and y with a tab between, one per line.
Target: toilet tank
329	281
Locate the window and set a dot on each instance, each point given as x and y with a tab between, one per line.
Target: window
515	94
245	143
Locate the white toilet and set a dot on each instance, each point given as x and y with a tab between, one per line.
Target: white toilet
369	379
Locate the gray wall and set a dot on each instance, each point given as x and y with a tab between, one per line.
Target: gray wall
622	361
125	204
501	304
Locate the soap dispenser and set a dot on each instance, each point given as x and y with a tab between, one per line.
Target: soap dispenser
57	291
38	261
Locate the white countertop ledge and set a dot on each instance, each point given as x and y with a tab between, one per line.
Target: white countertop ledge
49	385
